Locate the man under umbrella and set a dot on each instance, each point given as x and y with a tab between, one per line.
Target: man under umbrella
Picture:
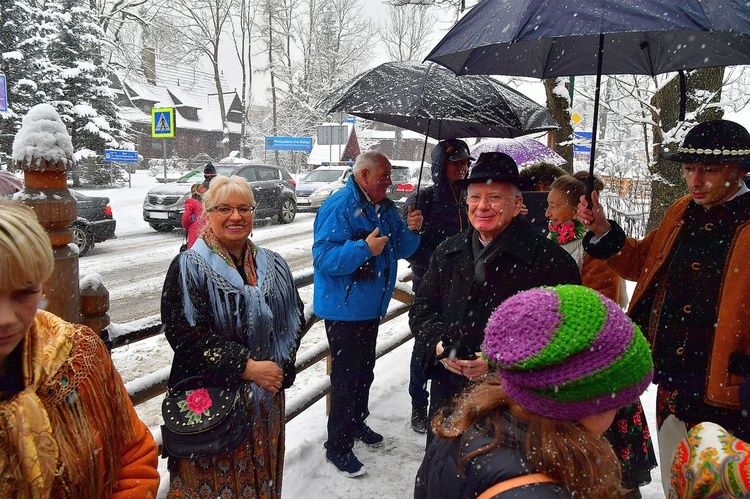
443	207
471	273
358	239
693	286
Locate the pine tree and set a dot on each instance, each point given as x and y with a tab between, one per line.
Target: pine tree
26	32
88	104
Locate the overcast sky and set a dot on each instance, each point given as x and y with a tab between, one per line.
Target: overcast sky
375	9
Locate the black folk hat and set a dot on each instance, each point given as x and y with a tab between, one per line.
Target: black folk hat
716	141
494	167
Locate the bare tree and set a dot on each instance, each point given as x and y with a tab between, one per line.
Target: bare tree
559	105
406	33
243	25
458	6
203	23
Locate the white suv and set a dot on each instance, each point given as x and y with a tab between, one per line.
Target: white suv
319	184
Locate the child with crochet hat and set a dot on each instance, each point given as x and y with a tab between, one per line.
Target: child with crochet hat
566	358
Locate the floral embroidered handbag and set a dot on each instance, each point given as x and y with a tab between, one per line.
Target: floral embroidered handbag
203	416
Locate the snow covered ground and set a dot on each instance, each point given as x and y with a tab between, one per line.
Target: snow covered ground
390	469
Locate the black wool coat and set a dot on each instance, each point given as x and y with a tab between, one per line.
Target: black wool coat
459	292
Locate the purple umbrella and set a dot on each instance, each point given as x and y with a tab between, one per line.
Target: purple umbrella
9	184
525	152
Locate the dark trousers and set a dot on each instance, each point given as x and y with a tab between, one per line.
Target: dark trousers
417	380
417	384
352	362
443	389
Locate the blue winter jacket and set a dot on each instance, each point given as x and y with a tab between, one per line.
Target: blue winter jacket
339	249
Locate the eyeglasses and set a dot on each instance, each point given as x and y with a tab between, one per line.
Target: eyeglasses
492	199
225	210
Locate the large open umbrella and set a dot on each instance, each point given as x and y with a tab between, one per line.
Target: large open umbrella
427	98
550	38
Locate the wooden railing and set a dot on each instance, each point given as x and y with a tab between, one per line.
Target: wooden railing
154	384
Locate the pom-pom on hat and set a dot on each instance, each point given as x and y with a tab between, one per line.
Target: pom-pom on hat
567	352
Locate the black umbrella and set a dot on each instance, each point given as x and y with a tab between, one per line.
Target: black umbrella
427	98
550	38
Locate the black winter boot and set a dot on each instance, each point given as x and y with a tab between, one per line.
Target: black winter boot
419	419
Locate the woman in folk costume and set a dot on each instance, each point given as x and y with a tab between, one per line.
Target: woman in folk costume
629	434
231	309
67	427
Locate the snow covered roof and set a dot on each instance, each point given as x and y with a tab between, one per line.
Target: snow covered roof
178	87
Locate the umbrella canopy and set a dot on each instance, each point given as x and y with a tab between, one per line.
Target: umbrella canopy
430	99
525	152
9	183
550	38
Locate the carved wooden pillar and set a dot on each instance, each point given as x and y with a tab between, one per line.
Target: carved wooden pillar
43	150
46	191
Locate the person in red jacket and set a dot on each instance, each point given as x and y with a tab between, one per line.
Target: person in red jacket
192	218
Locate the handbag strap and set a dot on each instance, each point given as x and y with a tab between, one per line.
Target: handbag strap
512	483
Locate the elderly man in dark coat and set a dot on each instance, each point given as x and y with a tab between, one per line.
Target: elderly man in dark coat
471	273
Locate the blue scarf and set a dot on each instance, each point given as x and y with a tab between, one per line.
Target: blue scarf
264	317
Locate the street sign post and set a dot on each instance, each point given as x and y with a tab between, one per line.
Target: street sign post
303	144
163	127
120	156
3	94
162	122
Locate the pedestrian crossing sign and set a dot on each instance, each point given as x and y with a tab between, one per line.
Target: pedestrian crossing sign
162	122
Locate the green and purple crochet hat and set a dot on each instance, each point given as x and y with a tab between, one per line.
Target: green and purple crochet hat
567	352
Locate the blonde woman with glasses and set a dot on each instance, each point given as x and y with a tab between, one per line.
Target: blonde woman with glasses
231	310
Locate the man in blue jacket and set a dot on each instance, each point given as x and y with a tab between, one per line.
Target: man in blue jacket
359	236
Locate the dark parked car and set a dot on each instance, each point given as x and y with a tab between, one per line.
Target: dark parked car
404	178
273	188
95	223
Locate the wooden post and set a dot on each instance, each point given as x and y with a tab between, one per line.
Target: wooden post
46	192
42	136
94	305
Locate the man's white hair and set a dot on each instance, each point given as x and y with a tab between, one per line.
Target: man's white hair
368	160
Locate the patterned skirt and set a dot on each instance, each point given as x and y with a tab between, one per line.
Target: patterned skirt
630	438
252	470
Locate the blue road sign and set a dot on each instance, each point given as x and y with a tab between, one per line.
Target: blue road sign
304	144
585	138
162	122
3	94
120	156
